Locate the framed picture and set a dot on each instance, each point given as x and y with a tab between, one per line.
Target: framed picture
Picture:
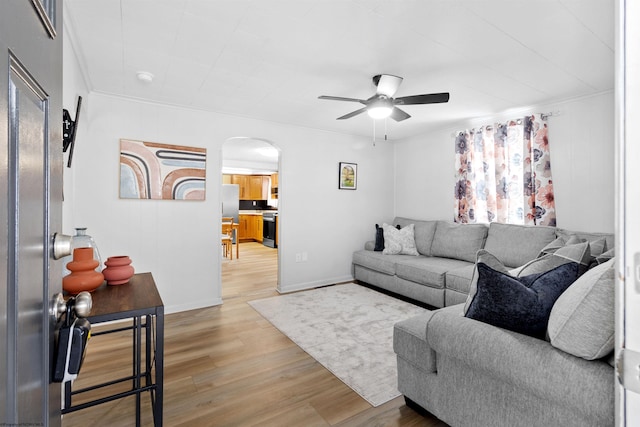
149	170
348	176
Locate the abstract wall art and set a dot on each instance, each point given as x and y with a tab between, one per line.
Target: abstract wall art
149	170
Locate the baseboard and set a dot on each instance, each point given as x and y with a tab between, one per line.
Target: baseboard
284	289
168	309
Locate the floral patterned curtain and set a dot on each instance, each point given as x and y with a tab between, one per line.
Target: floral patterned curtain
503	174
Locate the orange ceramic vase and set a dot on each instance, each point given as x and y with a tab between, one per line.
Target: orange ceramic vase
119	270
83	276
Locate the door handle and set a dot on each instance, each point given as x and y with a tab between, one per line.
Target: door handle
61	244
73	335
80	304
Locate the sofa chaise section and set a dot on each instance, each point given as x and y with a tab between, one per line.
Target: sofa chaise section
467	372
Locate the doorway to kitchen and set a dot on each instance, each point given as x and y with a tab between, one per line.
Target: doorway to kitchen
250	171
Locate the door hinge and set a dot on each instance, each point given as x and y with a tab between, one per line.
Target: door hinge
628	369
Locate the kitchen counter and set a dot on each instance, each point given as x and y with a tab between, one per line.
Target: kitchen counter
257	211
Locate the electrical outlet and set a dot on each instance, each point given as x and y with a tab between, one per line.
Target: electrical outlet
298	257
305	257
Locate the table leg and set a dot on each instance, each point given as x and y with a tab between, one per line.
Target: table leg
159	356
138	350
237	244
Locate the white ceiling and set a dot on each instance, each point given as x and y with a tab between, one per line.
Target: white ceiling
271	59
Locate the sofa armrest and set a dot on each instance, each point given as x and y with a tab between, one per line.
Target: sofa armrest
523	361
410	340
410	344
370	245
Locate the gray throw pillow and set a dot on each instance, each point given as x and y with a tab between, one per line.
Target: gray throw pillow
598	247
582	320
578	253
559	243
399	241
605	256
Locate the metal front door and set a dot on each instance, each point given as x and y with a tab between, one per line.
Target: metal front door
31	197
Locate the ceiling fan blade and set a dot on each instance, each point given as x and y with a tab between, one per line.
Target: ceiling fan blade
353	113
430	98
398	115
340	98
388	85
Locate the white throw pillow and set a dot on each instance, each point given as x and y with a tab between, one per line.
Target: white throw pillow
401	241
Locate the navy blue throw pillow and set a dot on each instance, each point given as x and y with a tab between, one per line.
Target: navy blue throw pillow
379	246
520	304
379	239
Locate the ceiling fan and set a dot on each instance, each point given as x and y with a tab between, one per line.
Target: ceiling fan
383	104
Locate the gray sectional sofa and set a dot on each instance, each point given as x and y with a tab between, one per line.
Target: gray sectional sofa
467	372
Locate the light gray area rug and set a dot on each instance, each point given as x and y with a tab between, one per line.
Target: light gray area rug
348	329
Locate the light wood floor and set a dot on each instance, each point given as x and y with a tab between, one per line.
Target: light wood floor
228	366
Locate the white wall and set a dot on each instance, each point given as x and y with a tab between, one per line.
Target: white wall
73	85
581	140
177	241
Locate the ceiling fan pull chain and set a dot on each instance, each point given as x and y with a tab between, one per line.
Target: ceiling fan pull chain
385	129
374	132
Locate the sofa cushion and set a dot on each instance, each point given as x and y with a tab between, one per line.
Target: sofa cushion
399	241
377	261
423	233
521	304
458	241
459	279
515	245
428	271
582	320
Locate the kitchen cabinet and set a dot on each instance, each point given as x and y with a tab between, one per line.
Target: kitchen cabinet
274	186
250	227
252	187
259	228
258	187
242	182
226	179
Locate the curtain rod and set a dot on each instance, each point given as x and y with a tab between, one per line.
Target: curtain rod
543	116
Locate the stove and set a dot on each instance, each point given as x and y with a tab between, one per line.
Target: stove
269	229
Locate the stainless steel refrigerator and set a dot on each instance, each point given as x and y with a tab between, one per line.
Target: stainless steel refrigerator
231	201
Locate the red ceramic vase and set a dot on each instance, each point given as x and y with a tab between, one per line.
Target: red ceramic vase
118	271
83	276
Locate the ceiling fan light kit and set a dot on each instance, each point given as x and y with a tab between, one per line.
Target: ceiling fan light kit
383	105
380	108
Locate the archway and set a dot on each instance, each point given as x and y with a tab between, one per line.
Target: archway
250	169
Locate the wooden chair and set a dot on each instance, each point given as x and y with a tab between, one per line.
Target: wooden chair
226	237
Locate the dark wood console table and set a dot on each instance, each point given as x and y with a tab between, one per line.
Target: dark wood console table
140	301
